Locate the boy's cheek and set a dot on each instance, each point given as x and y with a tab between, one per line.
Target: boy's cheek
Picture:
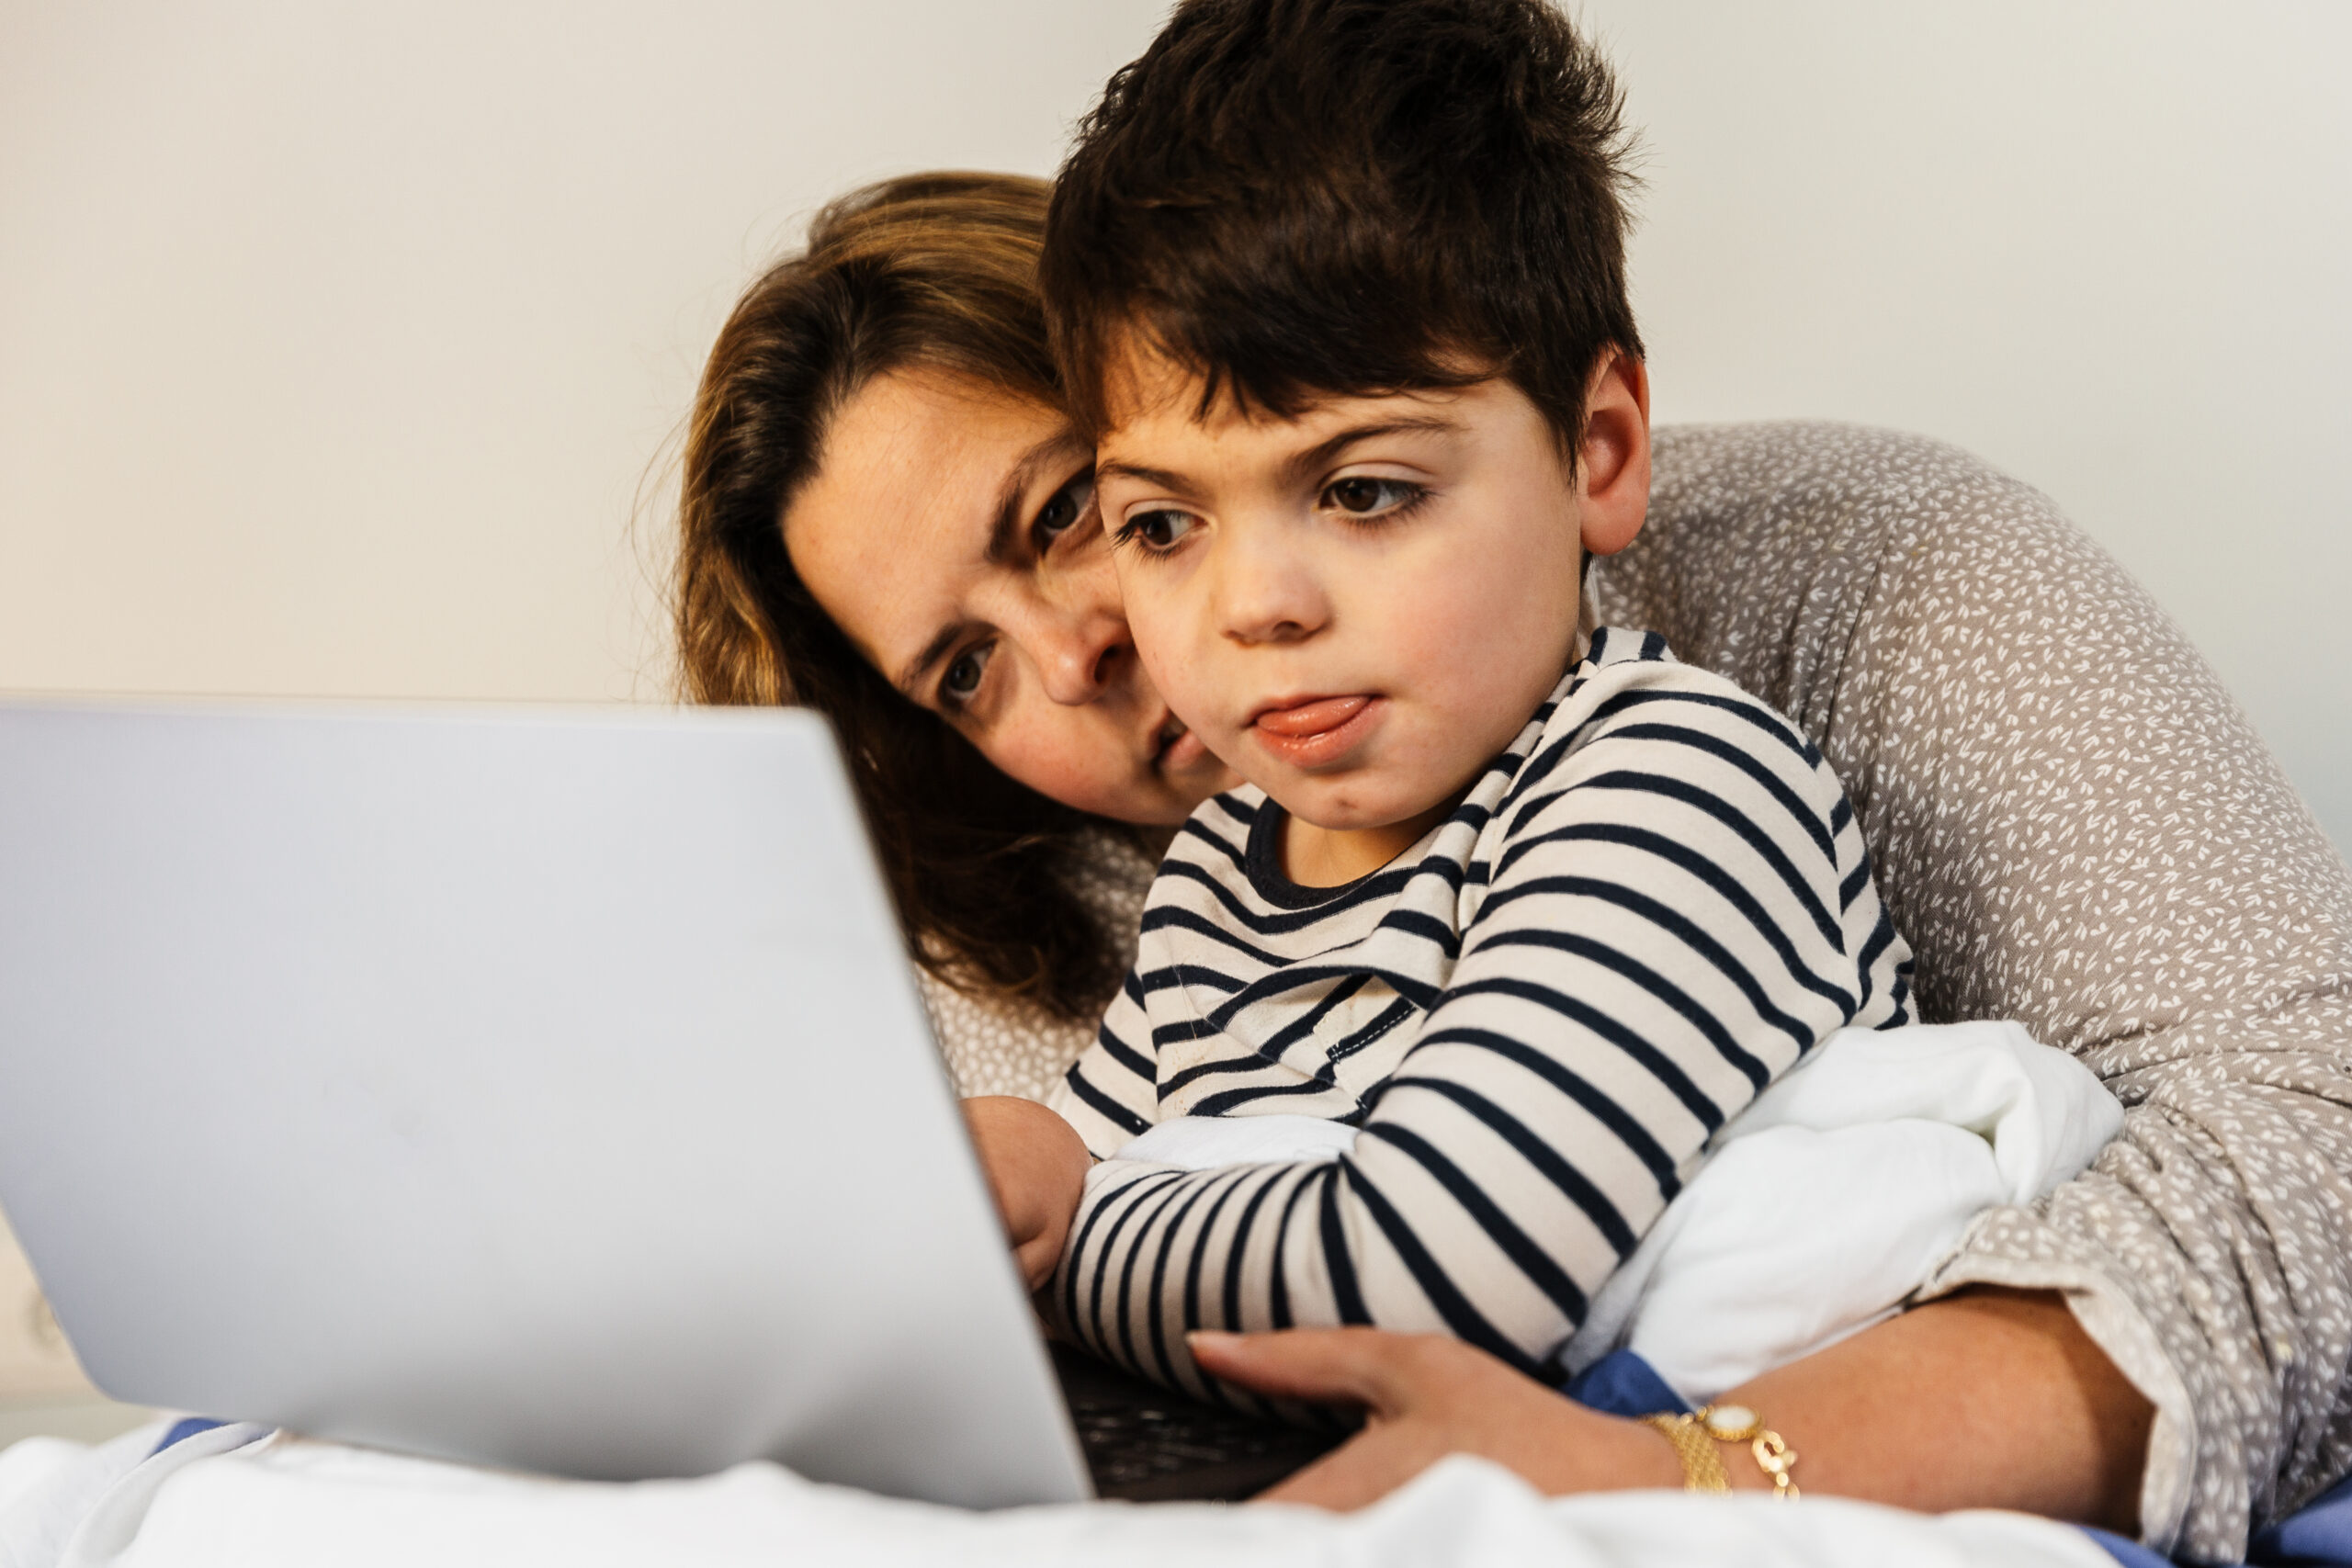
1184	681
1163	633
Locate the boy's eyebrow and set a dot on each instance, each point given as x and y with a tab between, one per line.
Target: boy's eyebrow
1298	466
1158	479
1305	464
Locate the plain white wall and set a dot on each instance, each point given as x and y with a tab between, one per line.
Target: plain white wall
2104	244
336	341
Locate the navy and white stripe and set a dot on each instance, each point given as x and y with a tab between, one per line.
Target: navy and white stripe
1641	914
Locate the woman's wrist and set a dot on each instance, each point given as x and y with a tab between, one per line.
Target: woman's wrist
1992	1399
1728	1447
1987	1399
1648	1462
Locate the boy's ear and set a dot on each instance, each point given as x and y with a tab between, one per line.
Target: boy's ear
1613	463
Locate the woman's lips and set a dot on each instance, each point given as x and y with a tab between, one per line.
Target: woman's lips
1318	732
1179	747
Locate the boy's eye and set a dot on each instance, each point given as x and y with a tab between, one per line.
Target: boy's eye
1363	496
963	677
1063	509
1159	530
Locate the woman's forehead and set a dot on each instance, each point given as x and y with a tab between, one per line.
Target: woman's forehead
925	485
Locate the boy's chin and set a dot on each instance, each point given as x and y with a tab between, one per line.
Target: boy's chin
1344	810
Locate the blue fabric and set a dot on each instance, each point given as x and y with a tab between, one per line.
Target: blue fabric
187	1426
2317	1535
1621	1383
2130	1554
2320	1532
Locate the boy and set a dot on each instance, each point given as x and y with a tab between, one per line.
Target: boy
1339	288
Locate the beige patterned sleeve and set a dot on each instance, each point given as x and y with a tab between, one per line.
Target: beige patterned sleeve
2076	828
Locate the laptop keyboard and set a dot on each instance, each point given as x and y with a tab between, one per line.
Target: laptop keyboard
1146	1444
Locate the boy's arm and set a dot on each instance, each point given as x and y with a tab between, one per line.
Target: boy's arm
1681	907
1111	1093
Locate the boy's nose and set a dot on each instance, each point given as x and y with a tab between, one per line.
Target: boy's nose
1267	595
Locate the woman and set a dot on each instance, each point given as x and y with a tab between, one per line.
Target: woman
885	518
909	349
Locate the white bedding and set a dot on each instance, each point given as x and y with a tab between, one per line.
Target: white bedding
275	1502
1825	1191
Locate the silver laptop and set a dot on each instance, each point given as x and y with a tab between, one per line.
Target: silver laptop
539	1088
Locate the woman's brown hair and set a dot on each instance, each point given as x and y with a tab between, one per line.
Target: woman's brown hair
937	271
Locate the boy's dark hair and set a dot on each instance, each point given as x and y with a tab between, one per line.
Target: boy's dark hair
1295	199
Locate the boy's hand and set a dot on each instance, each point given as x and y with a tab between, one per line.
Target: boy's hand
1036	1167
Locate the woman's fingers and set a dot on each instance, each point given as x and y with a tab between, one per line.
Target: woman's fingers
1383	1373
1427	1397
1390	1375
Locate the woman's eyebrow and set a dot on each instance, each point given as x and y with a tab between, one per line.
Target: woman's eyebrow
1004	536
1005	531
909	680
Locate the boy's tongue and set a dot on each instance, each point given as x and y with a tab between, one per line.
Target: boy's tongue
1311	718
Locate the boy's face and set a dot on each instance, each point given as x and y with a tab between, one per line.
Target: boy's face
1356	608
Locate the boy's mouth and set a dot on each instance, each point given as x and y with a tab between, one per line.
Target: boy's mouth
1316	732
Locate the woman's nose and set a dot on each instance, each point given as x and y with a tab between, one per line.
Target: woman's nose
1080	655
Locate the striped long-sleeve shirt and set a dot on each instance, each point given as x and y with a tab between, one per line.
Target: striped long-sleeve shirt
1649	906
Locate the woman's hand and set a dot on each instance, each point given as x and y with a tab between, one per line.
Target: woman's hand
1986	1399
1036	1167
1426	1396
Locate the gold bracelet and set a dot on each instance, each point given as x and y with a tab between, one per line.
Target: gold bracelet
1694	1438
1703	1464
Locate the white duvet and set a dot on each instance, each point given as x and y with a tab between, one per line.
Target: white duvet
1860	1169
236	1496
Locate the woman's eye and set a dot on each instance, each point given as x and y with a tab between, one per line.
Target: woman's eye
1159	530
962	680
1363	496
1063	510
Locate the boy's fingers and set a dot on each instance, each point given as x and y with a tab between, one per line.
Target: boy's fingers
1036	1258
1328	1366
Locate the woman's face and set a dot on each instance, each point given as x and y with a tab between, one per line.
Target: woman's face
950	532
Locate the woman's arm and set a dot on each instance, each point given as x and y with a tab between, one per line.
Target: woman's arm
1987	1399
2076	828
